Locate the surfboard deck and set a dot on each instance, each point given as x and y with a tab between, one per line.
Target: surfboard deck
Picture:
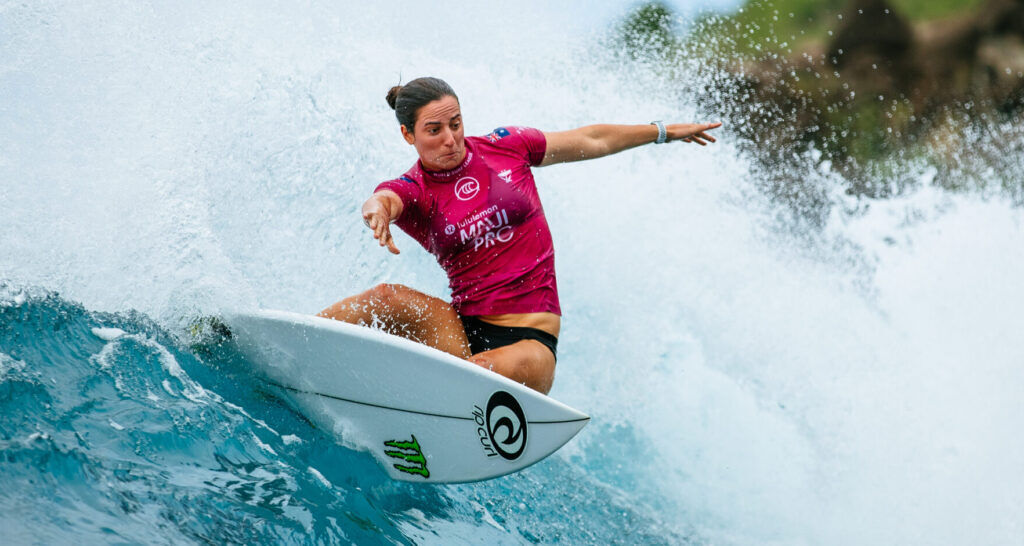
425	415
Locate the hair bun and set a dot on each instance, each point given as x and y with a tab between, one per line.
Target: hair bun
392	97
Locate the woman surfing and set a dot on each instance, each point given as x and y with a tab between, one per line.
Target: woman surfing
473	204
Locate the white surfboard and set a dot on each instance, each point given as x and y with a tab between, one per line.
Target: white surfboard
427	416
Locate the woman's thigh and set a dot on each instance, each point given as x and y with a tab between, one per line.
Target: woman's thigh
409	313
527	361
405	312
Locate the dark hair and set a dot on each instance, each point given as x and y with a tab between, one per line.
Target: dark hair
406	100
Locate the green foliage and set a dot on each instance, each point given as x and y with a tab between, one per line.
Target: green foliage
923	10
778	25
648	30
765	71
766	25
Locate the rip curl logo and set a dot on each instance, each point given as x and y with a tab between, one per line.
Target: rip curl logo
466	188
502	427
409	452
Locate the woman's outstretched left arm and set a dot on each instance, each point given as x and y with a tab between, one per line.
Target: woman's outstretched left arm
595	141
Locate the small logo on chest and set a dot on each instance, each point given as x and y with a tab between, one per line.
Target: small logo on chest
506	175
466	188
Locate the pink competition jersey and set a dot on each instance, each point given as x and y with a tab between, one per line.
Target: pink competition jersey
484	223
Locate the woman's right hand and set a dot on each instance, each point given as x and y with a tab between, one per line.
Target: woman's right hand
378	211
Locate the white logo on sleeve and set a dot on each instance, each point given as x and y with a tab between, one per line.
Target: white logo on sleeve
466	188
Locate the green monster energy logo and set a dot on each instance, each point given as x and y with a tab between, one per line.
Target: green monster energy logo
410	453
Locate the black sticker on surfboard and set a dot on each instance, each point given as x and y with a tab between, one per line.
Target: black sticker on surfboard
506	425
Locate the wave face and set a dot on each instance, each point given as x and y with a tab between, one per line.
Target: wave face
750	379
113	431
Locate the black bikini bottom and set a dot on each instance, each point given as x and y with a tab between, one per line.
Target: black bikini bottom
484	336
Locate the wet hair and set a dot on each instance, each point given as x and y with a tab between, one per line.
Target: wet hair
406	100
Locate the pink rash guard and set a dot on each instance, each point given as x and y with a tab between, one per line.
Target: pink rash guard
484	223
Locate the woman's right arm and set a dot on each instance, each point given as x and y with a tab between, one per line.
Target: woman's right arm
379	211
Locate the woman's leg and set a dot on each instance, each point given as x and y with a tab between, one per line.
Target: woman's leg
405	312
409	313
527	361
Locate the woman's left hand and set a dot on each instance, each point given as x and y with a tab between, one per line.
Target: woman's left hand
691	132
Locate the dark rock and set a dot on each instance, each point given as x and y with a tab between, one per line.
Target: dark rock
870	28
1002	17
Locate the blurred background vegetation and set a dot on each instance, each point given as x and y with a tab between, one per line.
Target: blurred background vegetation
876	90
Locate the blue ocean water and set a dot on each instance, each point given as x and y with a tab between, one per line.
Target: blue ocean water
143	440
750	380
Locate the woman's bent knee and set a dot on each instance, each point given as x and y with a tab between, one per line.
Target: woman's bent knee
527	362
363	307
389	293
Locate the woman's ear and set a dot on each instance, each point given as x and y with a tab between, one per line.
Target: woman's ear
407	135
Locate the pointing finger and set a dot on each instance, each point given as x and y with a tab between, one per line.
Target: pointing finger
389	241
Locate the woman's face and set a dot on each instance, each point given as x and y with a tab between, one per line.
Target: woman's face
438	135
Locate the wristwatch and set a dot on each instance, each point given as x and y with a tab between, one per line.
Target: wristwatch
662	133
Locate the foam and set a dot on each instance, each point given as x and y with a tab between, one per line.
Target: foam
108	334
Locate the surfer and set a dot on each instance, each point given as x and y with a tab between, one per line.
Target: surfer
473	204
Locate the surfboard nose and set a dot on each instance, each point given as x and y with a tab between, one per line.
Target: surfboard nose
553	434
575	422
